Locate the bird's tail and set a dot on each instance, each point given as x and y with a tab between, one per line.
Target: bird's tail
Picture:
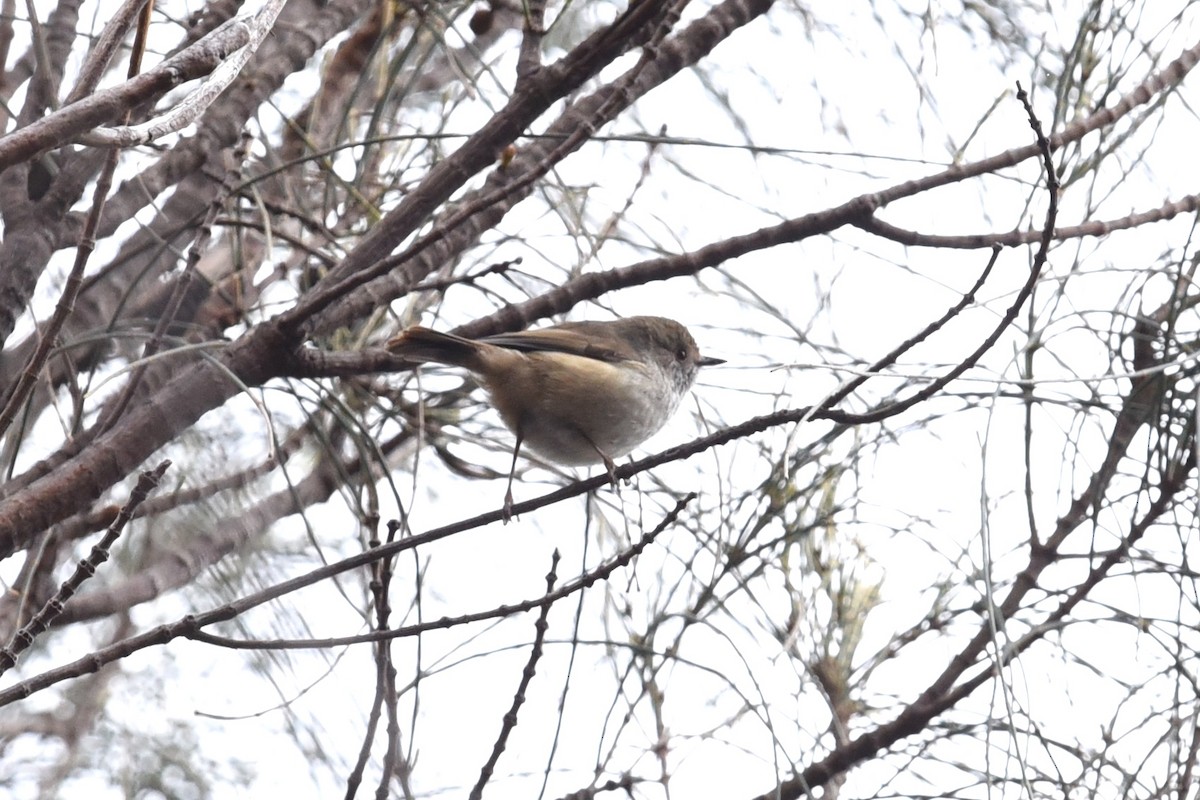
424	344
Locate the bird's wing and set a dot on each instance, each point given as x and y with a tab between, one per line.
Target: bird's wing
584	339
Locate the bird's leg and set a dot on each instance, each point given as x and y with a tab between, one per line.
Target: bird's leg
610	466
507	511
608	462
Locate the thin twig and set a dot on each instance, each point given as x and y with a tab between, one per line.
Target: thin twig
24	638
83	252
535	655
191	626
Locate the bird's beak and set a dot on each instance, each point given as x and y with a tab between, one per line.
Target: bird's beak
709	361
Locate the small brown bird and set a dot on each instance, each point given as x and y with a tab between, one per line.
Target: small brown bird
577	393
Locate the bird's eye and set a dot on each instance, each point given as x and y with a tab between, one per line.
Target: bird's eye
681	355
